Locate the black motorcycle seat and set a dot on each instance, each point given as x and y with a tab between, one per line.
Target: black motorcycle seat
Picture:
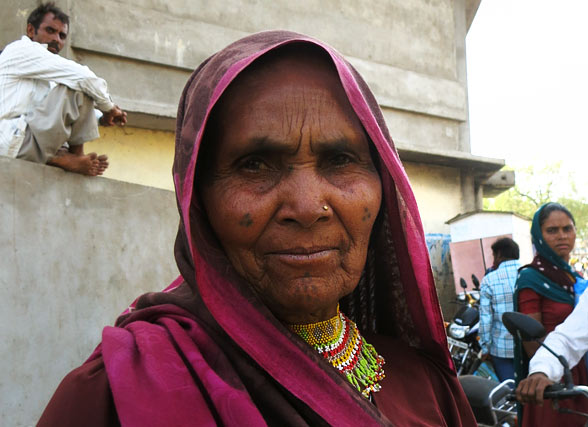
477	390
467	316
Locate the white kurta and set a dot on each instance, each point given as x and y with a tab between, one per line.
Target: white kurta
27	73
569	339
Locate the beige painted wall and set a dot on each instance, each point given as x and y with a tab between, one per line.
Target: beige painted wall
434	188
140	156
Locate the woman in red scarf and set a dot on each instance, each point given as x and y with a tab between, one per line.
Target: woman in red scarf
306	295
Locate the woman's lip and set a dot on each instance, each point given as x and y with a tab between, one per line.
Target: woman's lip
304	255
306	251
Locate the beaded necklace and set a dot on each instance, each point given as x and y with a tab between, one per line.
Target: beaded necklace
340	342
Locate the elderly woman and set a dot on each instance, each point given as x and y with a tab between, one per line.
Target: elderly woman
306	295
545	291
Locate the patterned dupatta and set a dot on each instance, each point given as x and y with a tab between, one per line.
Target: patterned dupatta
548	275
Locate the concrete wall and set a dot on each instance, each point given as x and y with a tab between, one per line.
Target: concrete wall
74	252
438	246
412	55
409	43
435	190
138	42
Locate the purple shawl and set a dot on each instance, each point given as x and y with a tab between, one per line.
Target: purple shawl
207	349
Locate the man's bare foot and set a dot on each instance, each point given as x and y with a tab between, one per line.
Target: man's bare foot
88	164
102	163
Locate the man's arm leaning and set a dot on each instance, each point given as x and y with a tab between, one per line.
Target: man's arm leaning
32	60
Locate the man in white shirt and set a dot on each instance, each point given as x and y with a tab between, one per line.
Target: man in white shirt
47	101
570	340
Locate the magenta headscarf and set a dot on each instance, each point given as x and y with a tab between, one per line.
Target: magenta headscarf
207	349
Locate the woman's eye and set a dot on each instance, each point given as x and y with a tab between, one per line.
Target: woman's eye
253	164
340	159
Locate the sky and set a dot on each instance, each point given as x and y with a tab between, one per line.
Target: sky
527	64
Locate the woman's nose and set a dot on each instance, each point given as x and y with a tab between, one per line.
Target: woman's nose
304	197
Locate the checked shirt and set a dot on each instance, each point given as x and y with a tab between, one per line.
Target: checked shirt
496	297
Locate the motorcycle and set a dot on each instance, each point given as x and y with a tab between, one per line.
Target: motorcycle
525	328
494	404
462	332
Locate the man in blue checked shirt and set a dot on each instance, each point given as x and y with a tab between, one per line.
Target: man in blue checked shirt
496	297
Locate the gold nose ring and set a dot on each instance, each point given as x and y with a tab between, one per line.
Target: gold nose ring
325	208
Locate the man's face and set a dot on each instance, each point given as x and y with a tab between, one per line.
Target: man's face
51	32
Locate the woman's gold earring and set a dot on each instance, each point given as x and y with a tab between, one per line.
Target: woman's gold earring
325	207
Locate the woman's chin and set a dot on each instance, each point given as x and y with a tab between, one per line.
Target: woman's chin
306	314
301	303
563	252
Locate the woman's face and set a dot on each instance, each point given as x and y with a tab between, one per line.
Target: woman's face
288	146
559	233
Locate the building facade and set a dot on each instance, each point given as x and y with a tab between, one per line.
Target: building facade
411	53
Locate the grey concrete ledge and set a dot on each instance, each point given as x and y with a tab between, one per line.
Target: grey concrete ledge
482	166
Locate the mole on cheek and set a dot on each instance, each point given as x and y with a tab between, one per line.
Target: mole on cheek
246	221
366	214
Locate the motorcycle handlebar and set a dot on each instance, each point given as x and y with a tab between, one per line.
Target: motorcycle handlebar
558	391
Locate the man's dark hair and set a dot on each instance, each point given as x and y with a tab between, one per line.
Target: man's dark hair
506	248
37	15
551	207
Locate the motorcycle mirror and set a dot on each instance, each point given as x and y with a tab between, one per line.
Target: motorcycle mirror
476	282
462	283
523	326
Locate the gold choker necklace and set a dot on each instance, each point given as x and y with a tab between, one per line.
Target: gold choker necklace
339	341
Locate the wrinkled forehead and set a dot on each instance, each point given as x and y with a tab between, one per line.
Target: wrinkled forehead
298	80
294	64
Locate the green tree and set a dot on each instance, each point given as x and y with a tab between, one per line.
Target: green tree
536	186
